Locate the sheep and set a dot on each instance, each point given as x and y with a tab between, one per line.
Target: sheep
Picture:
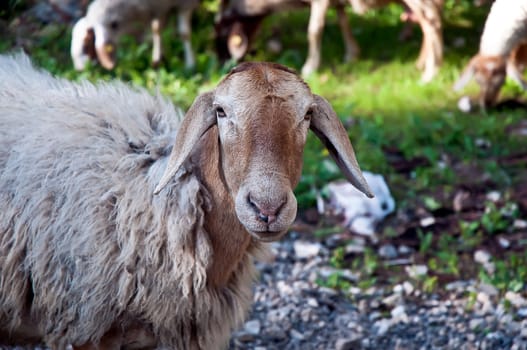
124	224
107	20
502	51
238	21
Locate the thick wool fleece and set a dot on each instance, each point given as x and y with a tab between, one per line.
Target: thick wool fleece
84	243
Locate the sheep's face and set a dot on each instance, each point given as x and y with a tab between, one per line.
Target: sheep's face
109	20
263	112
263	116
490	75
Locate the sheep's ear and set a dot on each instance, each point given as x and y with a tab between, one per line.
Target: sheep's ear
465	77
199	118
327	126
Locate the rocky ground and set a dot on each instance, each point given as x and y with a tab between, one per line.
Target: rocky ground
291	311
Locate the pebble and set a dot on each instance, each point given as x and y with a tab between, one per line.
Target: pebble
387	251
305	249
416	271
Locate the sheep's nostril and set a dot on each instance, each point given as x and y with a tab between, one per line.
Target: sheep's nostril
263	218
265	213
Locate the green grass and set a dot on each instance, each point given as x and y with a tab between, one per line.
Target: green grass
379	97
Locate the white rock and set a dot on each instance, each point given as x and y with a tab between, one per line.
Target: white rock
305	249
493	196
408	287
428	221
253	327
516	299
504	243
416	271
519	224
382	326
312	302
399	314
482	257
464	104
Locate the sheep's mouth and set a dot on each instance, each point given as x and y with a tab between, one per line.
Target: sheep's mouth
267	236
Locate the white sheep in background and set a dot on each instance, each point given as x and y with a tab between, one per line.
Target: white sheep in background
238	21
106	20
502	51
89	256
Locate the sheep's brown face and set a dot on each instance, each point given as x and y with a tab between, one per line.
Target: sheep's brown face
263	117
263	112
490	75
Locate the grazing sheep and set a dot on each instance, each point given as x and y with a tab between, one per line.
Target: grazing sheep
502	51
239	20
89	256
107	20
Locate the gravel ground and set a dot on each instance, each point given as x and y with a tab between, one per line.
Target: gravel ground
291	311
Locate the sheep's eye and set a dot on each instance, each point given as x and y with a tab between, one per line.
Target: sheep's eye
309	115
114	25
220	113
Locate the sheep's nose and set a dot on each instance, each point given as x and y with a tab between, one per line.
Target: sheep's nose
265	212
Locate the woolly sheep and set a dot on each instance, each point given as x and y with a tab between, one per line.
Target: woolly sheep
502	51
89	256
106	20
238	21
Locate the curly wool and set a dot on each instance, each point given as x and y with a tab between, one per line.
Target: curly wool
84	245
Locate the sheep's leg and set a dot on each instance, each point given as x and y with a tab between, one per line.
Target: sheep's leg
156	41
314	35
350	44
184	28
431	53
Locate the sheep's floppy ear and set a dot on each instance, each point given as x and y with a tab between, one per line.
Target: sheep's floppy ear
327	126
199	118
465	77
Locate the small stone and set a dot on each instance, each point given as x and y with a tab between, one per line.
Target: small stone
296	334
253	327
382	326
482	257
475	323
416	271
245	337
398	289
408	287
387	251
516	299
276	334
494	196
312	302
519	224
522	312
348	343
464	104
504	243
404	250
399	314
305	249
428	221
